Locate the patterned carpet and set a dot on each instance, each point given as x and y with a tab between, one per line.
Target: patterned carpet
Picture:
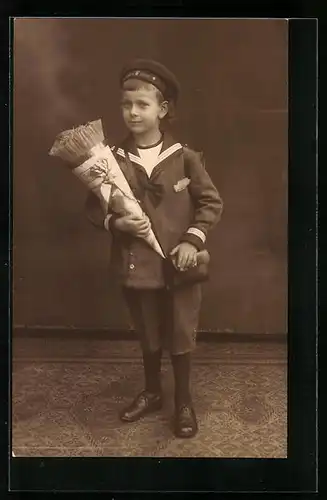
66	395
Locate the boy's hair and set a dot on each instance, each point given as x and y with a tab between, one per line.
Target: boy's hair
133	84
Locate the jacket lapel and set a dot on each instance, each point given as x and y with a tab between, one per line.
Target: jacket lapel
127	145
163	159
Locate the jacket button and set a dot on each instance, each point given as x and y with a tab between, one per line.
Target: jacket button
131	266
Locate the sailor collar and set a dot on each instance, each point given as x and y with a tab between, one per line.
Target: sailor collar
169	148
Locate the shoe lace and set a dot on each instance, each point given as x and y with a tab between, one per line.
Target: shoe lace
185	411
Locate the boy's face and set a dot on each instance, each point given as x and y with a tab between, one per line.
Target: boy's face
142	110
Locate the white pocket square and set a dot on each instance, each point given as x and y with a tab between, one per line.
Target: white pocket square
182	184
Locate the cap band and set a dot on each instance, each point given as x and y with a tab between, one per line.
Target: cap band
147	77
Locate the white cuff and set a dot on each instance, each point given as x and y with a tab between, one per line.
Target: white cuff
197	232
106	221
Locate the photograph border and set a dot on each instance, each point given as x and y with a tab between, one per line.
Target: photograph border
297	473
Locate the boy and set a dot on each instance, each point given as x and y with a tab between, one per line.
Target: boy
177	193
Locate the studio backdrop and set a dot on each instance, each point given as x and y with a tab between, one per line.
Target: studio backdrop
233	107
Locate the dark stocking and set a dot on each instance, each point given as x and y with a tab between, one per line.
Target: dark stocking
182	368
152	369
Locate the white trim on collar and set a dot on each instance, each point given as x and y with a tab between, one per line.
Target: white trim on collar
165	154
132	157
169	151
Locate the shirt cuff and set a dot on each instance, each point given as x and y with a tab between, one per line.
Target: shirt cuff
196	237
197	232
106	222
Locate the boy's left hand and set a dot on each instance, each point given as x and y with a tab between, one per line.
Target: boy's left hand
184	256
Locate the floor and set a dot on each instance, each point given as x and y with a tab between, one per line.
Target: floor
66	395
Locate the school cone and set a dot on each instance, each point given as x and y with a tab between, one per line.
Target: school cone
94	164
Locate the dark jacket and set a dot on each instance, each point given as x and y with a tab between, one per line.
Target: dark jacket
178	211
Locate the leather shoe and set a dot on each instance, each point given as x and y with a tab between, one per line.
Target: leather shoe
143	404
185	422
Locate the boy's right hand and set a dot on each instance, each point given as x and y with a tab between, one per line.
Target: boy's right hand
133	225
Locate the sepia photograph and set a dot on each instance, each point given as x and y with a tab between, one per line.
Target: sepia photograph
150	238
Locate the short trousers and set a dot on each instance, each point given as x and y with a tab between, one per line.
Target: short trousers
165	319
